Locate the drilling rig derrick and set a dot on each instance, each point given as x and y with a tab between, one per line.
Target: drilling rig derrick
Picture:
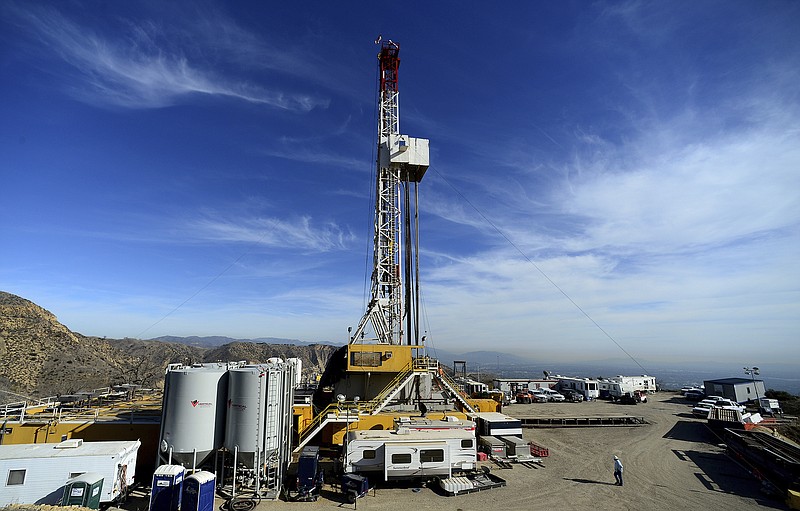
401	163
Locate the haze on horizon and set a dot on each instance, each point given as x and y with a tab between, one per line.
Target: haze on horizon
606	178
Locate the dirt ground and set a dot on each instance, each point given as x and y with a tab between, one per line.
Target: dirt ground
672	463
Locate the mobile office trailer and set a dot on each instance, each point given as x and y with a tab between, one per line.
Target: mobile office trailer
37	473
740	390
404	454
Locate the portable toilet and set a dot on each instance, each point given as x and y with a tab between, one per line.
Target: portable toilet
165	494
198	492
84	490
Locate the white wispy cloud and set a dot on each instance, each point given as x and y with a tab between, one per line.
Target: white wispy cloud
297	234
309	154
142	67
681	234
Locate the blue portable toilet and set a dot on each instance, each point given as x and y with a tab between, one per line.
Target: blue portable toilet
165	494
198	492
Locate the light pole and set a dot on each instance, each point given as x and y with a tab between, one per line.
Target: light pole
753	371
342	400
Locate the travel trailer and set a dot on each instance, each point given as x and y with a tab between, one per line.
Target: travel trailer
407	454
587	386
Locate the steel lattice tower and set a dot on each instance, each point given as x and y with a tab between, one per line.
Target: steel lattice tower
401	161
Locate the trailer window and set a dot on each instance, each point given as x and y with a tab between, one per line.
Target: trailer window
466	443
16	477
369	454
401	458
431	455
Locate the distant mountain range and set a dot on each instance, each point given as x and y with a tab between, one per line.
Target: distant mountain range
474	359
40	357
213	341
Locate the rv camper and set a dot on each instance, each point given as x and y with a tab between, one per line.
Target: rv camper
37	473
589	387
407	454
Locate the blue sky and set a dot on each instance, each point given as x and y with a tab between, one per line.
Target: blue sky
204	168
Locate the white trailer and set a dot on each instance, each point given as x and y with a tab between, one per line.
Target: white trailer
405	454
590	388
36	473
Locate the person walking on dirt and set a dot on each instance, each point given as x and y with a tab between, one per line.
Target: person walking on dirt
617	471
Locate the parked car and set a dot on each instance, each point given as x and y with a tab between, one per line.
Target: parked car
727	403
572	395
552	395
695	395
769	406
540	396
702	409
528	396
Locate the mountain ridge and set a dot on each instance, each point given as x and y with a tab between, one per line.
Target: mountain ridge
41	357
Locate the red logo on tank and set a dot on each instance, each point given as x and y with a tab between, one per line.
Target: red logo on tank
194	403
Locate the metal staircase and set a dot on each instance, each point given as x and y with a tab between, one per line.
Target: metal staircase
349	411
455	389
334	412
388	393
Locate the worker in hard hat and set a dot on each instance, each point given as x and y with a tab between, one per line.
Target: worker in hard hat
617	470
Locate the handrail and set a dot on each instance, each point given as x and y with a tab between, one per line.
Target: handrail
444	376
52	408
461	395
388	389
333	408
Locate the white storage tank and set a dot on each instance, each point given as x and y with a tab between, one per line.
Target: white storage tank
193	413
298	370
256	411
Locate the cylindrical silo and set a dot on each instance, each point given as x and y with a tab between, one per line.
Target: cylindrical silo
244	424
193	413
297	363
256	411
